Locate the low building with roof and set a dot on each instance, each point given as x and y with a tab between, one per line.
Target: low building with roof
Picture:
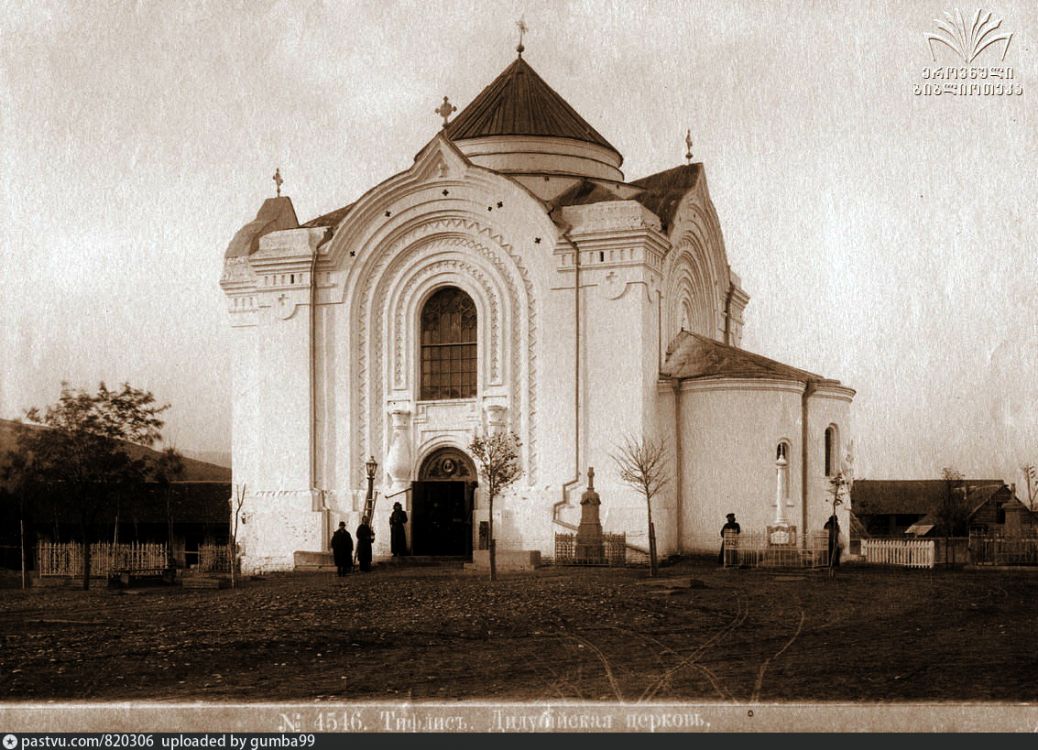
893	508
512	279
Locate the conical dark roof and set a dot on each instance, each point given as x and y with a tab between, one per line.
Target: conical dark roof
519	102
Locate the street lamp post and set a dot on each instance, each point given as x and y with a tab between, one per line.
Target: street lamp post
370	466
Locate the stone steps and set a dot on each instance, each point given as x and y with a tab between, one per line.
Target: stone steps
205	582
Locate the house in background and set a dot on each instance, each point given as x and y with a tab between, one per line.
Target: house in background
891	508
186	513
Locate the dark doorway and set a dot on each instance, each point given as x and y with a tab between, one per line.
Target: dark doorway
441	505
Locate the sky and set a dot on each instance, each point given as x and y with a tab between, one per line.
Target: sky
887	239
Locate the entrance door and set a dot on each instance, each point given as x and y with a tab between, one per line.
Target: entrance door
441	505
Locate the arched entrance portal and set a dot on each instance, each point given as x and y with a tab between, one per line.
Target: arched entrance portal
441	505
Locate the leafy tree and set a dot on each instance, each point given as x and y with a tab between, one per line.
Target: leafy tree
16	472
643	465
498	459
88	448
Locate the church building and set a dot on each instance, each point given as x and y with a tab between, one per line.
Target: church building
512	279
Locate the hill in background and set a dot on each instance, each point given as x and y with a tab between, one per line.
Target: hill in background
194	469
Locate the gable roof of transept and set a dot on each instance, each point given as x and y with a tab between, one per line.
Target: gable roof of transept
692	356
274	215
519	102
661	193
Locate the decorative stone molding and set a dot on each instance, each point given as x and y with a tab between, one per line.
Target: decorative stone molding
610	216
497	419
494	270
398	460
742	384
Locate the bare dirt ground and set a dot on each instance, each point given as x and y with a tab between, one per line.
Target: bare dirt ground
867	634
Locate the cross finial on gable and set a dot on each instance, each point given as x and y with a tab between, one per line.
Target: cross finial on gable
591	477
277	180
688	145
521	25
445	110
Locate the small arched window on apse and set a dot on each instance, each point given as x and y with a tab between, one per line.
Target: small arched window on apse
782	450
832	450
448	345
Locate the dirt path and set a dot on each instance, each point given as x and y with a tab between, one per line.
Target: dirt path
596	634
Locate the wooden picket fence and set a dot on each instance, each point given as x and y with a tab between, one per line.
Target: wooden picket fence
105	558
903	553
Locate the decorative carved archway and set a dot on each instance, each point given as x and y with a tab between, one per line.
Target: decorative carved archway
447	465
442	501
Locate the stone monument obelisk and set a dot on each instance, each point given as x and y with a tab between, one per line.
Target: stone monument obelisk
590	548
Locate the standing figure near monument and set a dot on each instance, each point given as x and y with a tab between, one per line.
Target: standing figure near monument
732	525
342	549
397	535
365	537
833	527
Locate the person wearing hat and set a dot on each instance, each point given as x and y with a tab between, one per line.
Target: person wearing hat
342	549
397	535
732	525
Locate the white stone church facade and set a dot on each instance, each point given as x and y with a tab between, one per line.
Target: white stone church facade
511	279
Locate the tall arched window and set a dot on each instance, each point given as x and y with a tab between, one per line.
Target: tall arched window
448	346
832	446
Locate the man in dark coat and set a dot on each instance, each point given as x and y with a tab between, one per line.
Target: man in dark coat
833	527
365	536
732	525
397	535
342	549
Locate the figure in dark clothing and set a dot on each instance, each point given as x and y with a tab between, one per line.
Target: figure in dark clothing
397	535
342	549
833	527
365	536
732	525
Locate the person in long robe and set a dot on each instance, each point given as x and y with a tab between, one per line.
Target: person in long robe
833	527
397	535
365	536
342	549
732	525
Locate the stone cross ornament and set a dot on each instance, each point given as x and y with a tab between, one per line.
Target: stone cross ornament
277	180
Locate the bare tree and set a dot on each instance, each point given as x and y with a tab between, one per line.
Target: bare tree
169	468
498	459
236	505
1031	476
951	510
643	465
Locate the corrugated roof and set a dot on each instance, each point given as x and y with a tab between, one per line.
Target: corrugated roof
694	356
519	102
